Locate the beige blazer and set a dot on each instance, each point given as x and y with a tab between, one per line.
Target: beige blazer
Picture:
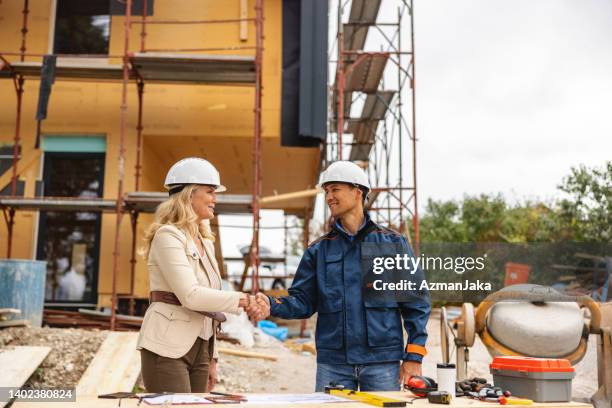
175	265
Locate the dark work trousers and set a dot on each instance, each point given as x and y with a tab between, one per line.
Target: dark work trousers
188	373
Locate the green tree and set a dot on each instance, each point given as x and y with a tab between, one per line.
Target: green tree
585	214
587	211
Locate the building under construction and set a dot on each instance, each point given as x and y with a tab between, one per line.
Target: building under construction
100	98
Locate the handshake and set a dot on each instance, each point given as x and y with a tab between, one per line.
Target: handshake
257	306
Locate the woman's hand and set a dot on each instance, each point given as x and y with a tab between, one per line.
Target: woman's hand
212	375
253	307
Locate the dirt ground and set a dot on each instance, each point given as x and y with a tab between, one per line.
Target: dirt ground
71	352
293	372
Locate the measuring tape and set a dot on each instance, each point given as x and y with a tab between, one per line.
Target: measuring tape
368	398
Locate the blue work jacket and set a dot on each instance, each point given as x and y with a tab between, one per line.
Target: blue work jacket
351	329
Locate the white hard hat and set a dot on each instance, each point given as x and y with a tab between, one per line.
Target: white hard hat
344	172
193	170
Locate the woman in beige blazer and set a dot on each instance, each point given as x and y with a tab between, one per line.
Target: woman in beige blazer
177	337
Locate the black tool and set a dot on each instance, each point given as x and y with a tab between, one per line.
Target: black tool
439	397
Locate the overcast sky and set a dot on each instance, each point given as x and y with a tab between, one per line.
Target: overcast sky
510	96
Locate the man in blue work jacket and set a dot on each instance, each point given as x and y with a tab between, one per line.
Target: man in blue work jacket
359	343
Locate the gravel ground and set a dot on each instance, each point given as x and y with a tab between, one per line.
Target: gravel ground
292	372
71	352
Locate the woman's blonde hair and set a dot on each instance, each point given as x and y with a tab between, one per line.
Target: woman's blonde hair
177	211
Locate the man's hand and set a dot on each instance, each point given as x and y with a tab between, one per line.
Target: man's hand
407	370
253	309
264	304
212	375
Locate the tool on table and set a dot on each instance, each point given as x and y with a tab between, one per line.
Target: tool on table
420	385
439	397
365	397
142	397
224	398
514	401
119	396
480	389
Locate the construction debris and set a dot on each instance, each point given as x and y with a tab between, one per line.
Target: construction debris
89	319
247	354
301	345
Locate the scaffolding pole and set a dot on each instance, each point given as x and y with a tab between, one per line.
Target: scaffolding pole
257	144
121	160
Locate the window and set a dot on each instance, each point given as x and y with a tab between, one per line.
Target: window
82	27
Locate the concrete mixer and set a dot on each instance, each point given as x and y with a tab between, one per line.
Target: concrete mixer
533	321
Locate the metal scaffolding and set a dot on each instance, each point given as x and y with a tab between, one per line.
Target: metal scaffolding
383	134
139	68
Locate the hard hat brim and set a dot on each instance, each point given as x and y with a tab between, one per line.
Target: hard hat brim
321	187
218	189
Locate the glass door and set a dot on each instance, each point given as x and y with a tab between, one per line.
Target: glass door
70	241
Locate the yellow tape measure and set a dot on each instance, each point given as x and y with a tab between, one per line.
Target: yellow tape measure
368	398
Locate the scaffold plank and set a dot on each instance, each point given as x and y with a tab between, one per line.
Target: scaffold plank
364	128
363	14
202	69
365	73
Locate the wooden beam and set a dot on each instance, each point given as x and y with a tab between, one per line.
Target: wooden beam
12	323
19	363
115	367
289	196
9	311
244	13
247	354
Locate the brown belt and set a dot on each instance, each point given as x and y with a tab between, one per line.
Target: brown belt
170	298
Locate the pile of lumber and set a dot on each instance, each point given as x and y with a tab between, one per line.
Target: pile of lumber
4	318
90	319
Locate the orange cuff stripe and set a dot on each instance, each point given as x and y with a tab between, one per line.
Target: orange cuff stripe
415	348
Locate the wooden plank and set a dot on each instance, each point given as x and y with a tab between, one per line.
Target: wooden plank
244	13
115	367
10	311
12	323
18	364
247	354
